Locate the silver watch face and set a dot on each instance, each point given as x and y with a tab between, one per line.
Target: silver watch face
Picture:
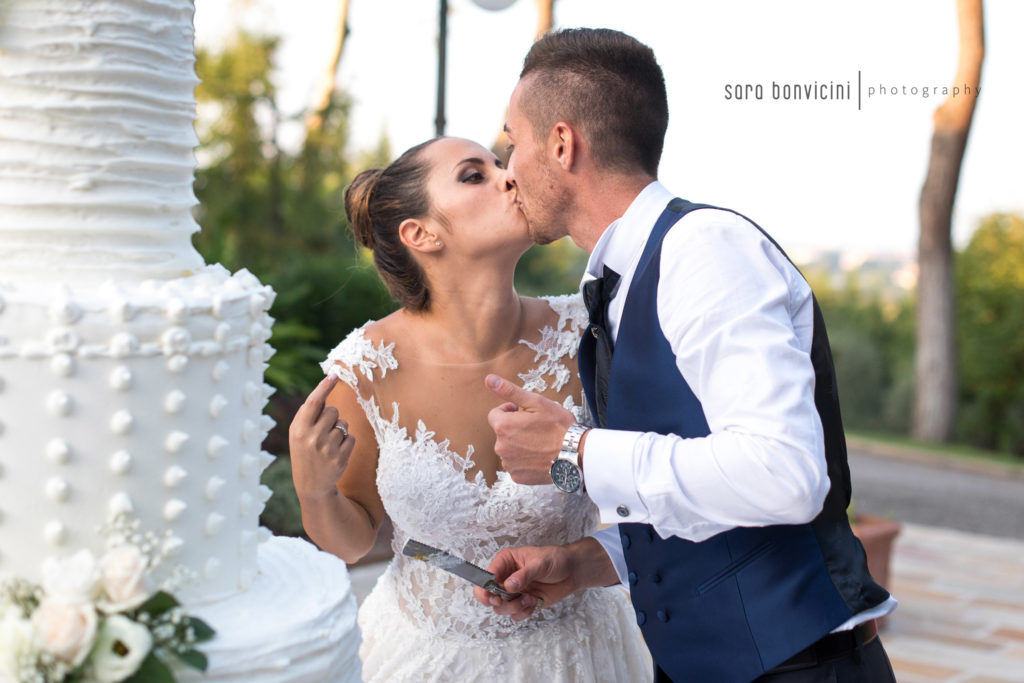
566	476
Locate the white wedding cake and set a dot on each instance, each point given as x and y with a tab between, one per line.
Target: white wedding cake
131	373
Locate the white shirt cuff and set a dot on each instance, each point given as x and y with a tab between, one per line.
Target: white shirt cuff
608	473
609	539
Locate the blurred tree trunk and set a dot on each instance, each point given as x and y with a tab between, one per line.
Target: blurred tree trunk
545	21
324	87
936	372
545	17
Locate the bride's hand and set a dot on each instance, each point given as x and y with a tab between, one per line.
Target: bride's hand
544	575
319	442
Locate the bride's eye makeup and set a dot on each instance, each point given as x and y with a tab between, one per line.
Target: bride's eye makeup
471	175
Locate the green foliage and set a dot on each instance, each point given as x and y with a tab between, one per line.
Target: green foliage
872	341
552	269
990	326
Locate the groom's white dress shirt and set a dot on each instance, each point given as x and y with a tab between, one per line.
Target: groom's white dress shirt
739	318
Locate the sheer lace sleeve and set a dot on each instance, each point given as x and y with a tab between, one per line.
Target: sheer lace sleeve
555	353
358	362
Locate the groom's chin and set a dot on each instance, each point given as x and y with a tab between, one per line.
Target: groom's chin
540	237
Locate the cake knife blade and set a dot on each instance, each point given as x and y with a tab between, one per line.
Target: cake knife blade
456	565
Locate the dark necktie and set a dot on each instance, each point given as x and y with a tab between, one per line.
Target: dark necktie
597	293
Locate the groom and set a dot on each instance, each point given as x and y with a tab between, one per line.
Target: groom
719	455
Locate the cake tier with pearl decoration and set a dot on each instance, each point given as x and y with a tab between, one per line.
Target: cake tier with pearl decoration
139	398
131	372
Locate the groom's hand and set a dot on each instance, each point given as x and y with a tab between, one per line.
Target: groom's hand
544	575
529	430
548	573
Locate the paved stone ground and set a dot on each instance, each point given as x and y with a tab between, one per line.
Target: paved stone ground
961	612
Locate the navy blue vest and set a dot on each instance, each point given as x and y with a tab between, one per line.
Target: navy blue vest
735	605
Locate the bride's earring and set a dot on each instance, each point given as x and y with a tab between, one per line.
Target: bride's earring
437	243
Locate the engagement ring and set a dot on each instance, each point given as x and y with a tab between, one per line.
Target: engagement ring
341	426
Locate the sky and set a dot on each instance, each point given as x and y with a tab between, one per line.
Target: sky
840	171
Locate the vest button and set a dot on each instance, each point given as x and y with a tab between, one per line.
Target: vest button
625	540
633	578
641	618
622	511
662	615
655	578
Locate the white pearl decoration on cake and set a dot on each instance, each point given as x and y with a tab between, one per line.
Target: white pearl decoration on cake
121	422
174	401
217	405
121	378
59	403
213	488
177	364
174	508
58	451
214	523
174	475
175	441
247	465
220	370
62	365
121	462
124	345
55	533
119	504
176	340
58	490
264	493
216	446
172	546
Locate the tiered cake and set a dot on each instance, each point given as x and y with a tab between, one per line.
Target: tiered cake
131	373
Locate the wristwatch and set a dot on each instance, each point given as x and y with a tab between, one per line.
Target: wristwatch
566	473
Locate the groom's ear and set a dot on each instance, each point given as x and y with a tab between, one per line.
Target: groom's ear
415	235
564	145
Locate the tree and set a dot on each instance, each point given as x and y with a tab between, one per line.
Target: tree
936	378
324	88
990	318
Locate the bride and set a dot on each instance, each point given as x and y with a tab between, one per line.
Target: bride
446	232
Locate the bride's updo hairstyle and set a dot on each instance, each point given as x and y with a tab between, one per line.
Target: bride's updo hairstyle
377	202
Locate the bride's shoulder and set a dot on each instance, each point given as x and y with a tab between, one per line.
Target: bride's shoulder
572	314
365	348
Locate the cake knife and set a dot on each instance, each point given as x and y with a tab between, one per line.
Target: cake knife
457	566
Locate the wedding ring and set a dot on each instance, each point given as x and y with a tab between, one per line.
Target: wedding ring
341	426
540	604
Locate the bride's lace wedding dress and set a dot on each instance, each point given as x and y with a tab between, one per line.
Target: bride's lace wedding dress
421	623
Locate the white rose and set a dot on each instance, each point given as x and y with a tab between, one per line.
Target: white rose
120	647
65	630
124	579
17	645
72	579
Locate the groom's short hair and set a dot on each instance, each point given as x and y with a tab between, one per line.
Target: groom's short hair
606	83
